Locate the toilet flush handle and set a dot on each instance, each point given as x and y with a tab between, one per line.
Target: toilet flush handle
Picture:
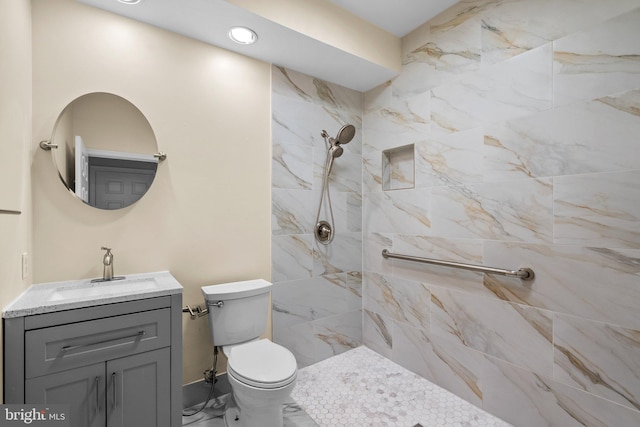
218	304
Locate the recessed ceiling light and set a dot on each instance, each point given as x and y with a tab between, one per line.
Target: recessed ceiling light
243	35
130	1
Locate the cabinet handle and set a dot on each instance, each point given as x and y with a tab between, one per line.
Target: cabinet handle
113	381
75	347
97	394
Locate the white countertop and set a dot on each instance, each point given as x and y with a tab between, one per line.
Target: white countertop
68	295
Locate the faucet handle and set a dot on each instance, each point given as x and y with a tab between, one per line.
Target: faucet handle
104	248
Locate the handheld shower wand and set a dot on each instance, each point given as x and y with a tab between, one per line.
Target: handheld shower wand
324	229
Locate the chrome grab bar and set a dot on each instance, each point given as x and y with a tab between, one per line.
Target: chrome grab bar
523	273
75	347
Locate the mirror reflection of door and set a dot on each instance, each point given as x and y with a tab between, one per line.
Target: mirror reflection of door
117	183
82	170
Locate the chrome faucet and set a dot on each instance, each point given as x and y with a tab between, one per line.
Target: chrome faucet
108	264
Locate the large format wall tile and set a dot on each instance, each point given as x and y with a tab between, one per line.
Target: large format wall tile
449	159
344	254
292	257
337	334
454	367
586	137
445	56
598	210
297	122
526	399
517	210
514	333
292	167
514	27
402	300
300	301
316	288
594	283
599	358
292	211
599	61
398	124
300	86
377	332
513	88
524	115
399	211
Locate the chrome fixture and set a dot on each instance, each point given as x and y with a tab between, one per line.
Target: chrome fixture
523	273
195	312
107	271
47	145
324	229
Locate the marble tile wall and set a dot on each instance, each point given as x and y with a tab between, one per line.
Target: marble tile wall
525	117
317	302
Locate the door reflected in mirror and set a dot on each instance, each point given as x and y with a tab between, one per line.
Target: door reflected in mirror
105	150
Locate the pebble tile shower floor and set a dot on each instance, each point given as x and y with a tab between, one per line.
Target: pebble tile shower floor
362	388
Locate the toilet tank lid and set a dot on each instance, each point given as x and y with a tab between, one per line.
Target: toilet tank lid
234	290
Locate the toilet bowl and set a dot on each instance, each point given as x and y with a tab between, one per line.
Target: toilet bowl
262	375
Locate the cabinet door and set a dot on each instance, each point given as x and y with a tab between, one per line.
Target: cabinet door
138	392
83	389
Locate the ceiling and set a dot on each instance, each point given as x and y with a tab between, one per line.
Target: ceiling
398	17
209	21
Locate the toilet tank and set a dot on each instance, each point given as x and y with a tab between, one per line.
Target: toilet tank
238	311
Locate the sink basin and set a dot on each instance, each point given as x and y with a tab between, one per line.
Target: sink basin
101	289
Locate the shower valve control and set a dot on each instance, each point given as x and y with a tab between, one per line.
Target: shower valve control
323	231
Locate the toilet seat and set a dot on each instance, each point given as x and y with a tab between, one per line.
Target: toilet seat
262	364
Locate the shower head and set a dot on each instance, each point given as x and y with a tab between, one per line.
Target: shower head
345	134
335	150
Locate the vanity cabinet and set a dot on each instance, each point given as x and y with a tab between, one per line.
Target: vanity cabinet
115	365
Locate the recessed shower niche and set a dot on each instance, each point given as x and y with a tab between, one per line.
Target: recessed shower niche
399	168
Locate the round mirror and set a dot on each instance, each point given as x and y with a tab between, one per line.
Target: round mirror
104	150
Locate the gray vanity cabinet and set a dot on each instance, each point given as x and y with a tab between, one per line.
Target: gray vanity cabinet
81	388
115	365
138	390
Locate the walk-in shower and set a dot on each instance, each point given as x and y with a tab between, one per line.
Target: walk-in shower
324	229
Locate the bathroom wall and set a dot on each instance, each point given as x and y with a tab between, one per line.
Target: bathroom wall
317	289
524	117
206	216
15	146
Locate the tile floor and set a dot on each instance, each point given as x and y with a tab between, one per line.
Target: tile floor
362	388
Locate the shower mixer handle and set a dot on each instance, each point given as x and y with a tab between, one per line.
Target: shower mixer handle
323	232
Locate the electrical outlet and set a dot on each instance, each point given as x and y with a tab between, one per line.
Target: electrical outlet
25	265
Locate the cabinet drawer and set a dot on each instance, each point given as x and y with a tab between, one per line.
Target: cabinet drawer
58	348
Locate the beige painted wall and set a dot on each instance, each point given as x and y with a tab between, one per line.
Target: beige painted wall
207	216
15	144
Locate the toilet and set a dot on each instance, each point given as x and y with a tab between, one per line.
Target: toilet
261	373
